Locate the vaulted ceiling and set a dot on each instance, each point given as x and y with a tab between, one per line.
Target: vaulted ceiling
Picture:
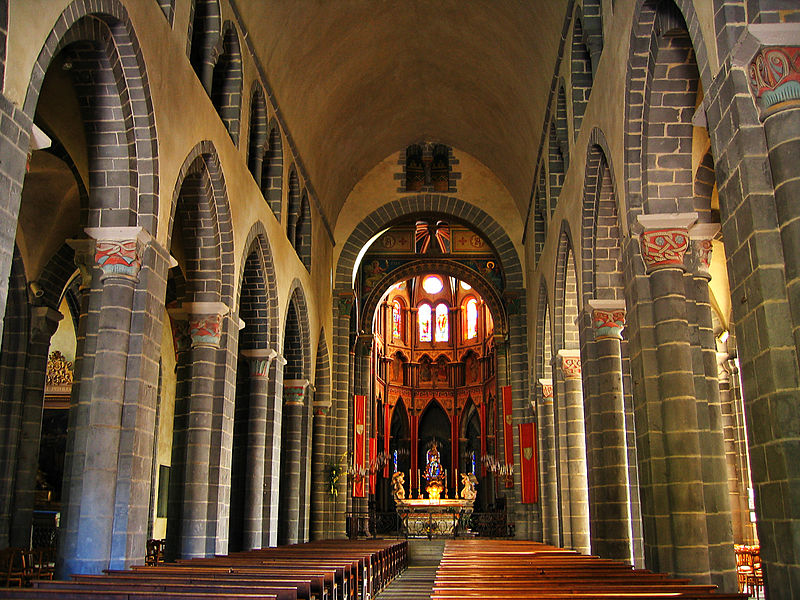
357	80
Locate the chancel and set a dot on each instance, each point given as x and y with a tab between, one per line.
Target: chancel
312	299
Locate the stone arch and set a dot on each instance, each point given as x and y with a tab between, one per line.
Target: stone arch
566	282
260	303
302	234
272	170
556	168
203	168
293	207
562	124
581	74
601	250
297	299
540	215
102	39
653	19
226	80
204	32
257	142
448	268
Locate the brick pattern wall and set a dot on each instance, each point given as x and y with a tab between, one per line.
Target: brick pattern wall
257	141
204	31
226	83
168	8
272	172
581	76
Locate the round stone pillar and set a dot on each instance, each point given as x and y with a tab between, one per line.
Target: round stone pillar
609	493
549	475
682	546
259	362
576	450
294	392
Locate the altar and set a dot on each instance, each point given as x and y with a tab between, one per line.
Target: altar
422	517
434	516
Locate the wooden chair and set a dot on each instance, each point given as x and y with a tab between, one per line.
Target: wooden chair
755	580
744	565
155	552
12	563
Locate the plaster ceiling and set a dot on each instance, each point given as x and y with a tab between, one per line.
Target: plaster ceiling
357	80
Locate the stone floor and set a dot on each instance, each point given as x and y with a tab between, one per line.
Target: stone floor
416	581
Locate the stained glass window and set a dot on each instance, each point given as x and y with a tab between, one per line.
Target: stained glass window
424	318
472	318
432	284
397	319
441	323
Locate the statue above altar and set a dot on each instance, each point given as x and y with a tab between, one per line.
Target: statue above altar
434	474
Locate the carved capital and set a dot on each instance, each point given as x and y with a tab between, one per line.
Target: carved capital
205	322
570	363
664	239
44	322
83	259
774	74
547	388
259	361
179	322
608	318
294	391
702	236
118	250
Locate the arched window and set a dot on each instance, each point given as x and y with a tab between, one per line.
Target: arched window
442	331
424	319
397	320
472	318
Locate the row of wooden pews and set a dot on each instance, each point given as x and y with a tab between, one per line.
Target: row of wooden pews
321	570
500	570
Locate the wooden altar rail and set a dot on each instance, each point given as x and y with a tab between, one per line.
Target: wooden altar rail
326	570
529	570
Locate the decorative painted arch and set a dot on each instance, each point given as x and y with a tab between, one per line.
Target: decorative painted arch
454	209
106	24
444	267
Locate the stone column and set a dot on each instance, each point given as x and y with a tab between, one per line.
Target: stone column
272	455
259	362
44	321
682	546
576	450
319	527
610	491
712	443
118	252
294	392
194	406
549	476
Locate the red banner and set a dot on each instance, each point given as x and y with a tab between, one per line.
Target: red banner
528	457
359	420
508	433
373	454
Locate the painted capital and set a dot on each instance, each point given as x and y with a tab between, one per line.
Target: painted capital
179	322
205	322
608	318
774	75
118	250
294	391
547	388
665	239
570	363
702	235
259	361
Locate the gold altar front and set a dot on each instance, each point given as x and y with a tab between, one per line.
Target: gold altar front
445	517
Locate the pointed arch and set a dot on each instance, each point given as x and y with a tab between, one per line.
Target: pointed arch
226	80
257	143
272	171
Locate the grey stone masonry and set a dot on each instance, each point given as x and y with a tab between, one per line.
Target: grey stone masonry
44	321
294	391
548	477
609	495
577	477
260	362
272	455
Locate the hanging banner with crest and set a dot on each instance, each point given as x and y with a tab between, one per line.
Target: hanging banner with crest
528	459
359	445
